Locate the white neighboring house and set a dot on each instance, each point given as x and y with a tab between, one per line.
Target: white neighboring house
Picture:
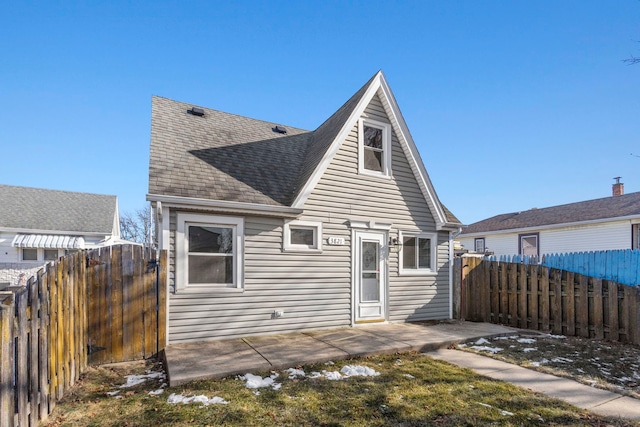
593	225
39	225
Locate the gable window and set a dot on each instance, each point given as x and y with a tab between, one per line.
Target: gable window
529	244
374	147
209	252
29	254
478	245
302	236
418	253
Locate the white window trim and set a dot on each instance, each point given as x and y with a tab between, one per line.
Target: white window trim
317	235
182	258
386	147
432	270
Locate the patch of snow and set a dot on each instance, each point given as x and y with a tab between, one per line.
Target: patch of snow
559	337
526	340
333	376
295	373
202	399
481	341
529	349
492	350
113	393
561	360
409	376
542	362
156	392
329	363
315	374
133	380
256	381
358	371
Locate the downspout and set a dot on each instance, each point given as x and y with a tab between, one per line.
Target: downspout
452	235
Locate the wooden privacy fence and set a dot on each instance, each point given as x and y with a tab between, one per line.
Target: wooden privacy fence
532	296
104	305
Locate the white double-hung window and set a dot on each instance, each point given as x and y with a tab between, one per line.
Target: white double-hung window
209	251
374	147
418	253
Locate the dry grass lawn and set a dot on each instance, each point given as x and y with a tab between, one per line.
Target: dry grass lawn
411	389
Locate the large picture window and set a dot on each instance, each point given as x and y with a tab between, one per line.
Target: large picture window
209	251
374	148
418	254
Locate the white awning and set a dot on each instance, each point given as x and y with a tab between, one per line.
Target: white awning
52	241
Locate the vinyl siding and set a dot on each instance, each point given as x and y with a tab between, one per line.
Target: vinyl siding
314	289
579	238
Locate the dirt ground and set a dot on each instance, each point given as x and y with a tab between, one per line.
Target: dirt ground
604	364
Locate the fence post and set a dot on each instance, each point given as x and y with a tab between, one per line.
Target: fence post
7	362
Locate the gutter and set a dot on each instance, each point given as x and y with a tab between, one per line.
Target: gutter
452	235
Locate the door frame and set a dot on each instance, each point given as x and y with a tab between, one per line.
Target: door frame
356	237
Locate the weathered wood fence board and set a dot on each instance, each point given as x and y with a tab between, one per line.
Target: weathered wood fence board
537	297
80	304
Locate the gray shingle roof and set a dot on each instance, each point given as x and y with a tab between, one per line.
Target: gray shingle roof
55	210
598	209
222	156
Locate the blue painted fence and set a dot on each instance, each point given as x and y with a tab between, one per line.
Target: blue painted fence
621	266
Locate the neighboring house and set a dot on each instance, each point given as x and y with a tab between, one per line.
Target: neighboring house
593	225
272	229
38	225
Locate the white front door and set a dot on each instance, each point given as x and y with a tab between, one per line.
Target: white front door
370	277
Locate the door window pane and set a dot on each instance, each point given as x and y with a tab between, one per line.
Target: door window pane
369	256
370	287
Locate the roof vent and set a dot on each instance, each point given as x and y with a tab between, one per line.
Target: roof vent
196	111
279	129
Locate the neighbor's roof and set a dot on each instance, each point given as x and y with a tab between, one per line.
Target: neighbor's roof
222	156
54	210
590	210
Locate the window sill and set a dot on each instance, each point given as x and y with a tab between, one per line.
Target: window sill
374	174
302	250
417	273
208	289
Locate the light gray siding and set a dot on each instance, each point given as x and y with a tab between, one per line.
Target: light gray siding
313	290
576	238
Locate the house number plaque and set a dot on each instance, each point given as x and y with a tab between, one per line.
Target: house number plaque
335	241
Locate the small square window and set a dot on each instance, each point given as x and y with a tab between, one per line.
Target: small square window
418	254
50	254
302	236
29	254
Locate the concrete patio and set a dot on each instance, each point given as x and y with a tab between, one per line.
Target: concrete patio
218	359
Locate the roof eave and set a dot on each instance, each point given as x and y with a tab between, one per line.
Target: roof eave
552	226
225	206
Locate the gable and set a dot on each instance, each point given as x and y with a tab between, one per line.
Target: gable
379	89
351	195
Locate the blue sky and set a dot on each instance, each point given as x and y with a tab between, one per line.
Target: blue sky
512	104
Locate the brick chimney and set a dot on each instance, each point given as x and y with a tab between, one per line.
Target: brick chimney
618	187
